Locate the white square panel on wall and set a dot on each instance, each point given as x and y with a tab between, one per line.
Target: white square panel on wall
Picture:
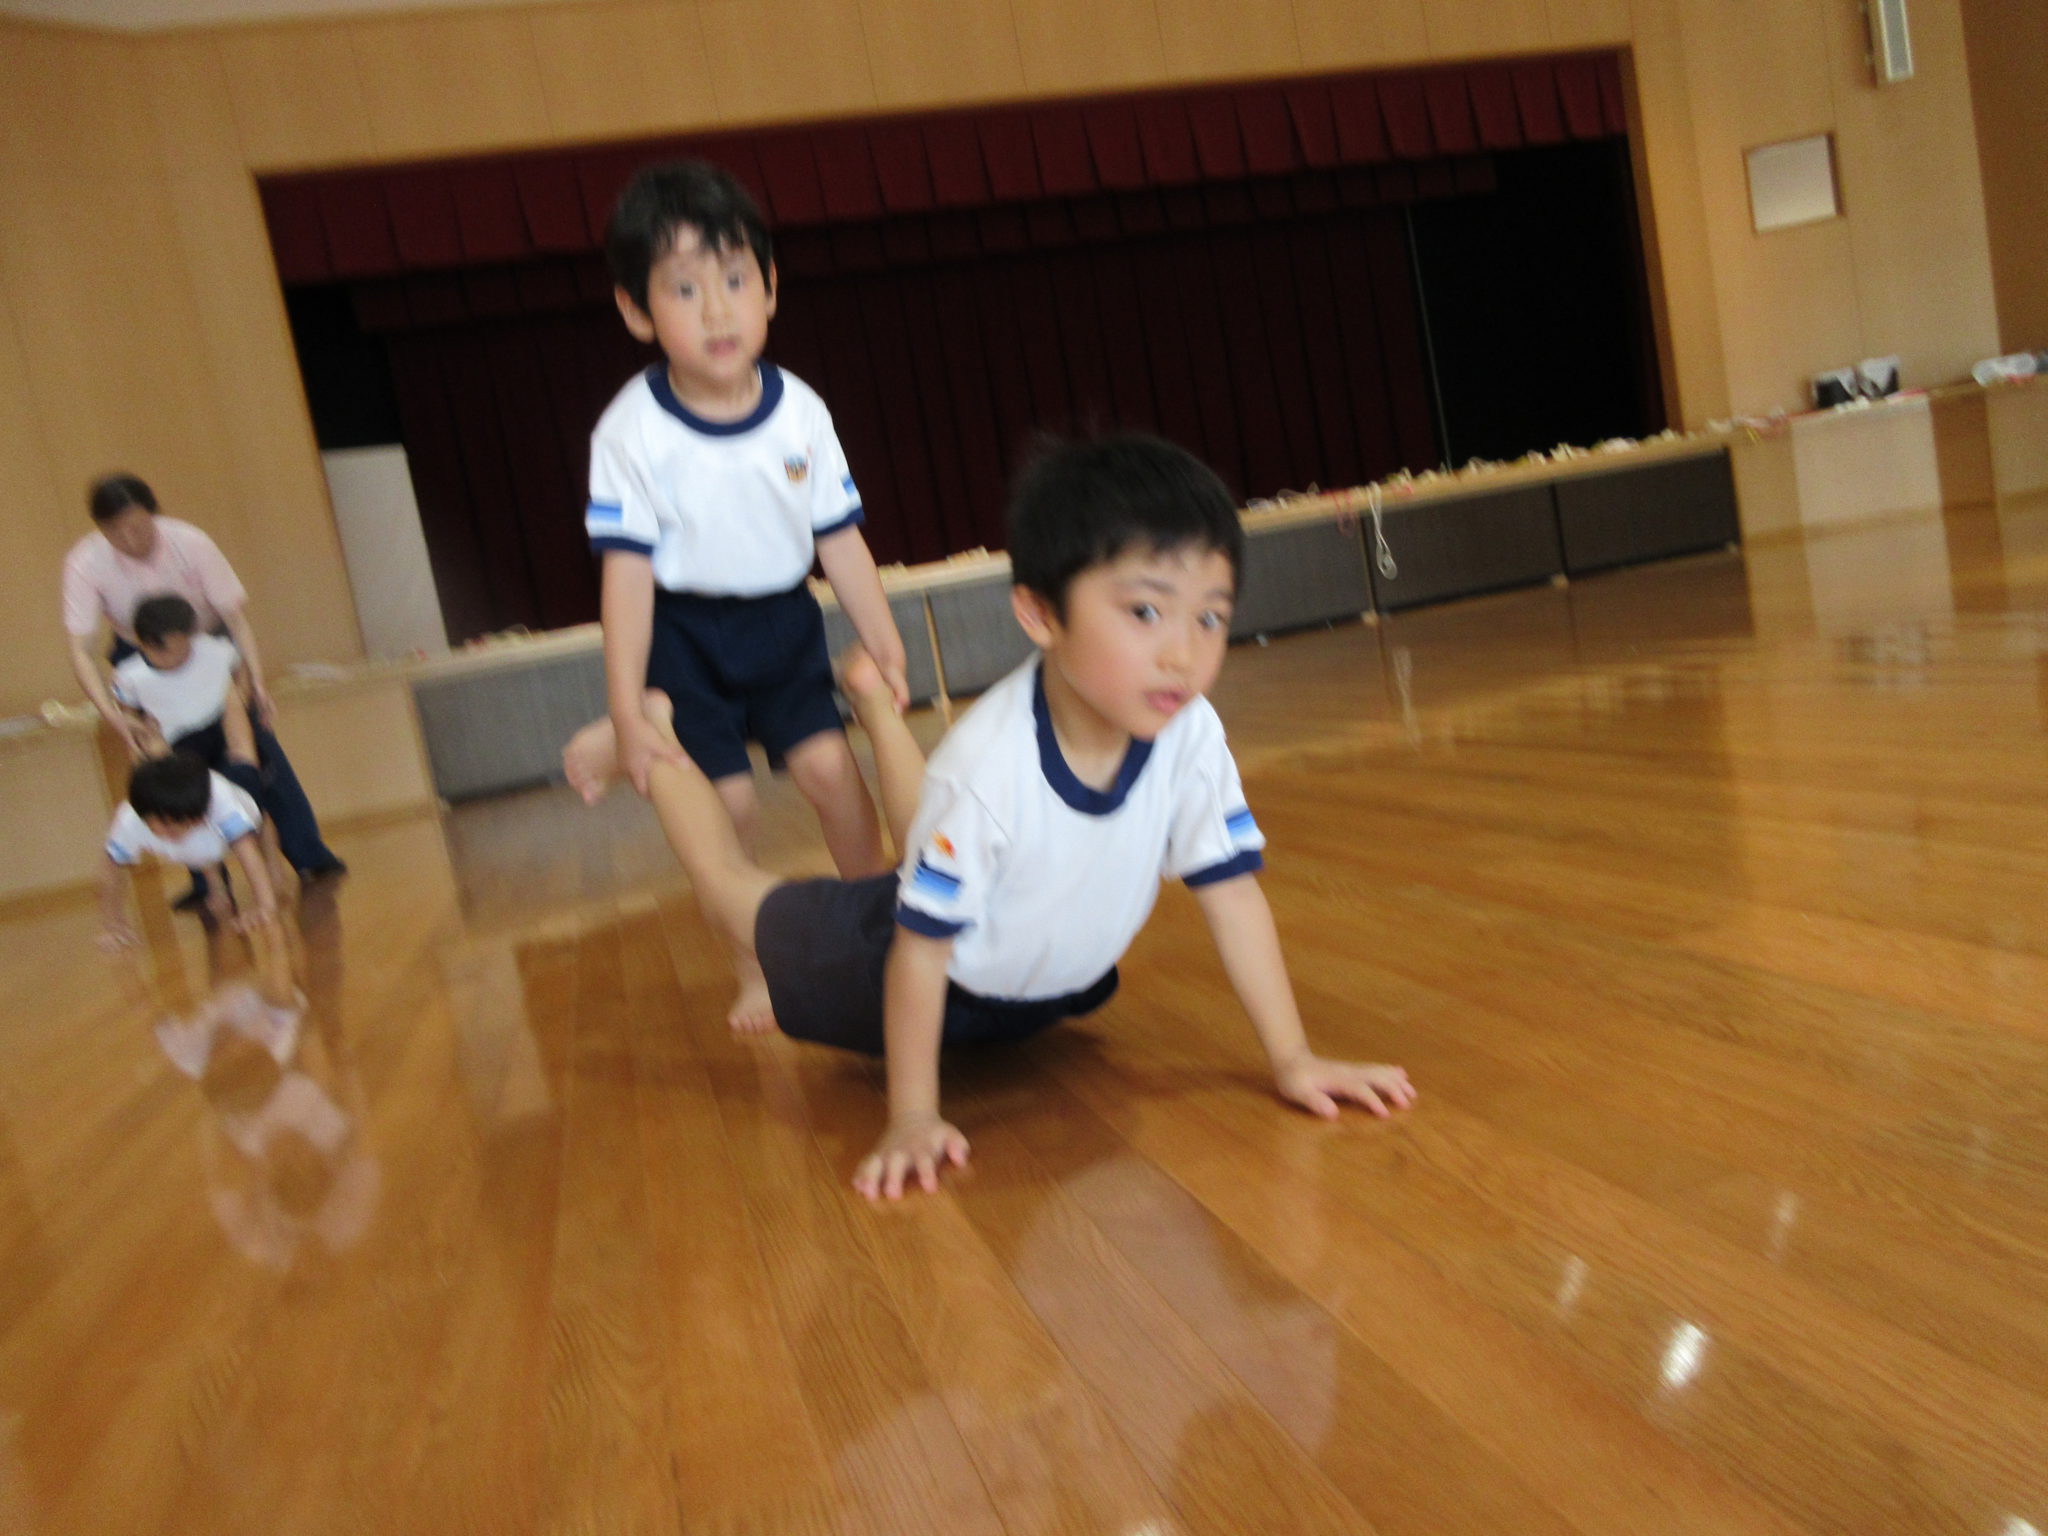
1793	183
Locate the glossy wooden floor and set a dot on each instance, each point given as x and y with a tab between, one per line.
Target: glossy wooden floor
1705	903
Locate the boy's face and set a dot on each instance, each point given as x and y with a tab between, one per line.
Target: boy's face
167	654
708	310
1143	634
170	831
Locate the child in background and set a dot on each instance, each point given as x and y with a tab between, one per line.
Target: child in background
192	690
179	811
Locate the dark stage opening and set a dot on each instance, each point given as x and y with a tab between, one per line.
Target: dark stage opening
1537	307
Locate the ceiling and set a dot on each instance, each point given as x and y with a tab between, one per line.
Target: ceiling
149	15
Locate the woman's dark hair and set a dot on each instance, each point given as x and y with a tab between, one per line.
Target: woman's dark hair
663	199
1078	505
114	494
175	788
158	618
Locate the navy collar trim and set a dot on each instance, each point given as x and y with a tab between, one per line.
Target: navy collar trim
1053	763
665	397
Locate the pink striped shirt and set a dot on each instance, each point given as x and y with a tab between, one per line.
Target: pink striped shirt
100	581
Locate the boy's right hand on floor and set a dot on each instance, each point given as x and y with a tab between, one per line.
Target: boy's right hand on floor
920	1147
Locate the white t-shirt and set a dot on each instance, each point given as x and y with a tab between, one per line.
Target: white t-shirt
181	699
724	508
1042	881
230	816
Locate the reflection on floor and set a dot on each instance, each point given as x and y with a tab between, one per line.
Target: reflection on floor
1705	902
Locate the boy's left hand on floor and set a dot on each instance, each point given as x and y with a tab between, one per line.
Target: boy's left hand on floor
1317	1085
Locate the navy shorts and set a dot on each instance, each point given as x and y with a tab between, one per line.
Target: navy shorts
741	669
823	945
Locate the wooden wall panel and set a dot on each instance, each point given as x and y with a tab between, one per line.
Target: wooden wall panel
1907	156
194	112
1355	34
1069	47
1667	167
272	515
298	100
2008	55
1589	23
449	82
1757	73
1228	39
794	59
1473	29
35	531
930	52
67	105
617	71
95	278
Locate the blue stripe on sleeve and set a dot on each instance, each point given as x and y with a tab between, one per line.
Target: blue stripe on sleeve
1239	824
605	512
127	858
933	881
1251	861
924	923
602	542
852	519
236	827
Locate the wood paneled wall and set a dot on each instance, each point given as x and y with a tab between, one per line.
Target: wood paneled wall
2008	48
140	316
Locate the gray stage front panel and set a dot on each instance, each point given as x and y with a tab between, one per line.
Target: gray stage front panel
979	641
908	610
1647	512
1309	573
505	728
1464	545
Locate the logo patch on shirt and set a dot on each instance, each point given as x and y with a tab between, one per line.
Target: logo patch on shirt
944	844
798	467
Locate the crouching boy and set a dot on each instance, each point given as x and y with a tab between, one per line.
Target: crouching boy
1034	843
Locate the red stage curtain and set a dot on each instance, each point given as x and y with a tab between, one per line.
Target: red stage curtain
338	225
1225	267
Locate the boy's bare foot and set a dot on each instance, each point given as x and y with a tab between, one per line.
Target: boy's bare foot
860	678
590	761
751	1012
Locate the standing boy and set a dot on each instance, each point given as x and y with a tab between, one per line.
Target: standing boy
715	480
1034	844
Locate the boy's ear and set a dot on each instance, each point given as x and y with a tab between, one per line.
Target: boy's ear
1040	624
770	276
638	321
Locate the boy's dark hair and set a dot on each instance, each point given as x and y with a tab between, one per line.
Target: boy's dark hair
175	788
662	199
111	495
160	617
1081	504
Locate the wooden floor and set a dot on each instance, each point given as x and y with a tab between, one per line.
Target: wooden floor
1704	902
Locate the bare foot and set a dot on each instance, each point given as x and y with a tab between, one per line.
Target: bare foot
860	677
751	1012
591	760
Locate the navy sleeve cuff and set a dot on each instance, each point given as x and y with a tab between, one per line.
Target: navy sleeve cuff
924	923
852	519
617	541
1250	862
